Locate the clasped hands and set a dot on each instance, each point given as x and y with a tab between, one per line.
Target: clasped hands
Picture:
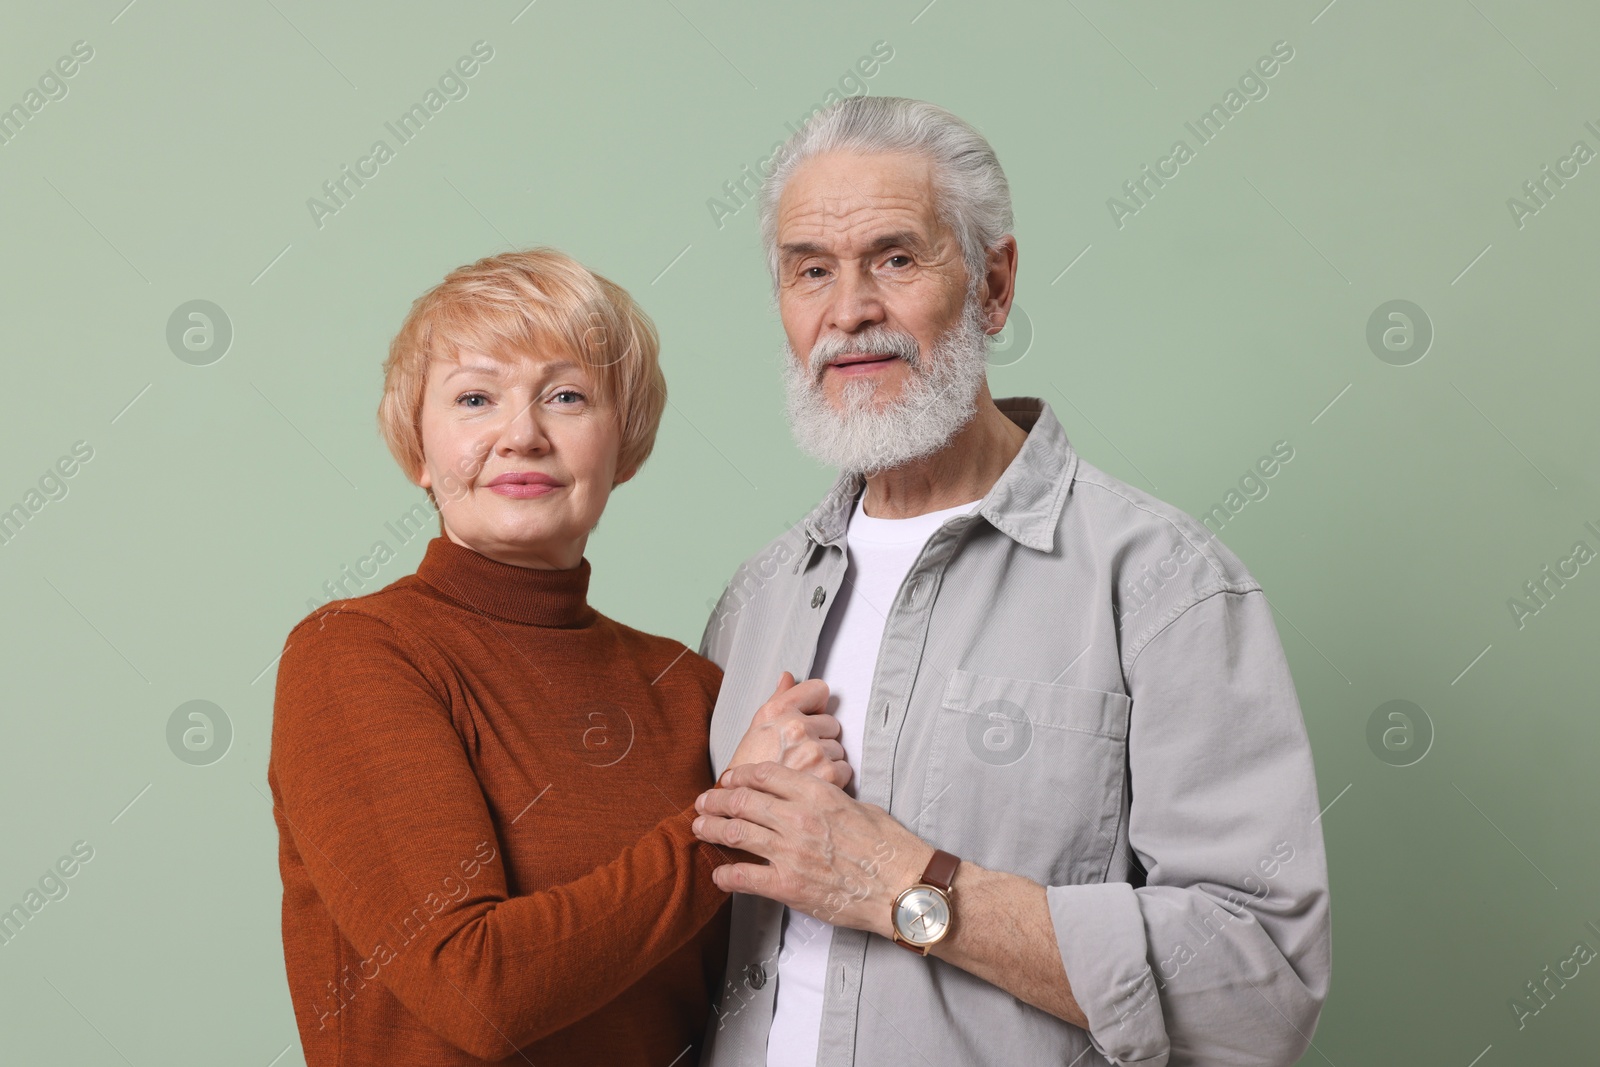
782	799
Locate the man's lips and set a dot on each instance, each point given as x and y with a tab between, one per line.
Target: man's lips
861	362
523	484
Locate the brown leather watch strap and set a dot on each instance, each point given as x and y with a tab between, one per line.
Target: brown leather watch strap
941	870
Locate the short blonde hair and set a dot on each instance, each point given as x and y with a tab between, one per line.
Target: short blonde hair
537	300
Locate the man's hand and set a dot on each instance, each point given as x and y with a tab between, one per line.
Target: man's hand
793	729
829	855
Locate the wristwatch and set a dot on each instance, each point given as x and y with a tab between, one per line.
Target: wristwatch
922	914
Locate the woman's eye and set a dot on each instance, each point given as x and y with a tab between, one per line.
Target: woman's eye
469	397
572	395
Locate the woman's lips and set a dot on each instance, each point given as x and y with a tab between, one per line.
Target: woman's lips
523	490
523	484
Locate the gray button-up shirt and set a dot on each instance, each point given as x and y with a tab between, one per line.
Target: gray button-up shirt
1077	684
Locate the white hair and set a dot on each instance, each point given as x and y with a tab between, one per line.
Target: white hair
972	195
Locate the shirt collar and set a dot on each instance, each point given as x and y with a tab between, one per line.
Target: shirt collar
1024	504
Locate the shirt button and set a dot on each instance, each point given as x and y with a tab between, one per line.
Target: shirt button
817	597
755	976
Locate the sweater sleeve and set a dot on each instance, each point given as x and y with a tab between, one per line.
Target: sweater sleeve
391	824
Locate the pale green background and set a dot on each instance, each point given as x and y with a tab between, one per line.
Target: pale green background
1222	318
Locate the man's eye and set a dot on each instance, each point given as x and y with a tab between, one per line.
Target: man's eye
906	260
469	397
807	272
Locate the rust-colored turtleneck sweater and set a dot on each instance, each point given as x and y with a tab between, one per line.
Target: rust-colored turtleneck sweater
483	791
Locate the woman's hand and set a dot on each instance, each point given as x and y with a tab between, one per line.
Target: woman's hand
792	728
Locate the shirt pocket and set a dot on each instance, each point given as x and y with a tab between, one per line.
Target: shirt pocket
1027	777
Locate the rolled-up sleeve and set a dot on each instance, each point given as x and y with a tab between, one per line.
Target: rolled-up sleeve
1223	954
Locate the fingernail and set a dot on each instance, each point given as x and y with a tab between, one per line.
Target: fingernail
723	781
697	824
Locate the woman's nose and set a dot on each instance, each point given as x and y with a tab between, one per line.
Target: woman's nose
523	432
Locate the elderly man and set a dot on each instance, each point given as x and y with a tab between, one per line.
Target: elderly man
1083	825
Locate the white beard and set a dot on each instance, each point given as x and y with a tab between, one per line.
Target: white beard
939	397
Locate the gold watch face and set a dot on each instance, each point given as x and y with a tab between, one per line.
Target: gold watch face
922	915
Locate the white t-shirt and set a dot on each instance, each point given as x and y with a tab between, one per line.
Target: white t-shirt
880	554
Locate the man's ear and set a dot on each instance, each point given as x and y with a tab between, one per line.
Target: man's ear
1001	281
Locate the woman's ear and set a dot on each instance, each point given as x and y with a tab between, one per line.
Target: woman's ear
624	474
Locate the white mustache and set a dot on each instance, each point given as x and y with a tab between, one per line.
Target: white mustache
880	342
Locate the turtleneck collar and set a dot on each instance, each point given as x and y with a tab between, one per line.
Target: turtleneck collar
517	594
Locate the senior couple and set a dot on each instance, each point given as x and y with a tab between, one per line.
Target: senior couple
1042	792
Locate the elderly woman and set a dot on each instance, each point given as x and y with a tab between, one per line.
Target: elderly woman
484	787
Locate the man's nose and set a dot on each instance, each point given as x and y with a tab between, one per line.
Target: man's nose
856	302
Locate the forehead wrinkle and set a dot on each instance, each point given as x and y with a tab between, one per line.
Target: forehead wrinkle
840	207
828	204
859	229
